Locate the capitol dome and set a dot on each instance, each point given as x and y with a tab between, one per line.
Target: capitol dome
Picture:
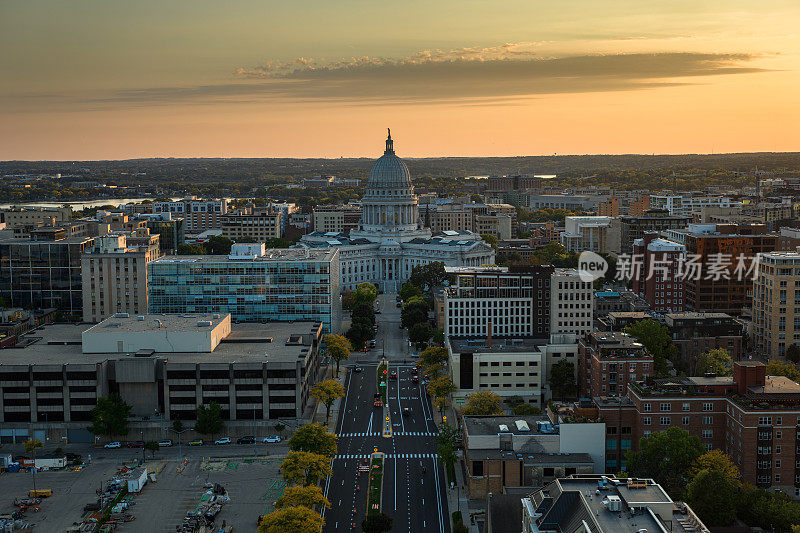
389	171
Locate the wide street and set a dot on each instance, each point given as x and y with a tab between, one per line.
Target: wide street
414	491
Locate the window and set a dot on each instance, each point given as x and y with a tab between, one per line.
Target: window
646	421
666	406
686	406
685	420
708	406
708	420
764	420
646	407
666	421
707	433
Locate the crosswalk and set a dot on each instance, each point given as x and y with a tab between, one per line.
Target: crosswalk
389	456
396	434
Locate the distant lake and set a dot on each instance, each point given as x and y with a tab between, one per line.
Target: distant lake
80	206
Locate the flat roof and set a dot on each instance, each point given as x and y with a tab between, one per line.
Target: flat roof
776	385
249	342
271	254
499	344
490	425
129	323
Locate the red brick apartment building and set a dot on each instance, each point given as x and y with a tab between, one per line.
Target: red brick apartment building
657	279
753	417
608	361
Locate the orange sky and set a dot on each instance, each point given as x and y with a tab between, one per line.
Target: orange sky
99	80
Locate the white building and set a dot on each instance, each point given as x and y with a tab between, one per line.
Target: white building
391	239
571	304
586	234
686	205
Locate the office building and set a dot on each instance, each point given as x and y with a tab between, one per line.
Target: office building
776	303
336	218
260	225
639	205
513	183
114	274
43	274
171	231
253	284
571	202
626	229
609	208
34	216
658	281
687	205
586	234
571	303
200	215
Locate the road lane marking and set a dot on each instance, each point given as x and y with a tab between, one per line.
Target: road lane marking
438	496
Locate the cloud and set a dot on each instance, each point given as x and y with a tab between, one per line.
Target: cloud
467	76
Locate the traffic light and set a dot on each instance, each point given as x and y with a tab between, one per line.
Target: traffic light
444	419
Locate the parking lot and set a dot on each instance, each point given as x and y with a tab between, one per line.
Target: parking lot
253	484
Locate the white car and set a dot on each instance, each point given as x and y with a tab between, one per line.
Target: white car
223	440
271	439
115	444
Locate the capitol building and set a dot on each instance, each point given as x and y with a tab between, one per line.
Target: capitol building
391	239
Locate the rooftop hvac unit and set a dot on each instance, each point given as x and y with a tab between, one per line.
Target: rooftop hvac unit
503	428
122	315
613	503
140	317
215	315
204	323
522	425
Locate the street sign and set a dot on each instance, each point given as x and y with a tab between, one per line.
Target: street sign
459	400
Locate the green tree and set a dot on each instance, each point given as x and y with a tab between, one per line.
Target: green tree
31	445
441	387
110	416
327	392
177	426
305	468
348	300
363	312
277	243
715	362
313	438
365	292
152	447
438	337
792	352
562	380
218	245
656	339
714	488
298	519
377	523
310	497
359	333
483	403
209	419
191	249
526	409
420	333
280	428
414	311
491	240
338	348
433	355
666	456
433	372
428	277
409	290
780	368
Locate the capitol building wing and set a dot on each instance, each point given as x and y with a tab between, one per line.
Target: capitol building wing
391	240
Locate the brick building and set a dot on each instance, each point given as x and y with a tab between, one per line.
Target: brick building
657	281
608	361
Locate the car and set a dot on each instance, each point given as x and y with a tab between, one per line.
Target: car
372	343
399	304
393	375
358	369
136	444
377	311
223	440
247	439
115	444
415	378
406	411
271	439
165	443
195	442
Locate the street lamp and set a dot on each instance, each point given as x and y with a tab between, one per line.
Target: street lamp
180	454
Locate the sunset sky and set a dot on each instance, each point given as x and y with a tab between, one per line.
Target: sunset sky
85	79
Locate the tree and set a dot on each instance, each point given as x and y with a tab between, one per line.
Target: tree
363	312
438	337
295	519
420	333
377	523
793	353
715	362
327	392
310	497
209	419
779	368
348	300
31	445
434	355
305	468
414	311
713	497
526	409
365	292
218	245
656	339
409	290
151	446
339	348
429	276
441	387
562	379
280	428
177	426
483	403
433	372
666	456
110	416
191	249
277	243
717	460
491	240
358	333
313	438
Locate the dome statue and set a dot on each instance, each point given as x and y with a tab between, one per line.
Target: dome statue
389	171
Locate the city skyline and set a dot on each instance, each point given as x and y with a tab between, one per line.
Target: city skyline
100	81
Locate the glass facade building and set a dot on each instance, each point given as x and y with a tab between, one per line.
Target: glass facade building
43	274
280	285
